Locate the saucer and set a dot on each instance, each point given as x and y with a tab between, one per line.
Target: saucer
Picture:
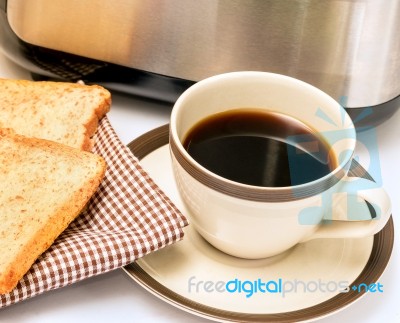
310	281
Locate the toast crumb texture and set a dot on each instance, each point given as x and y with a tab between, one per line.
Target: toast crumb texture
64	112
44	186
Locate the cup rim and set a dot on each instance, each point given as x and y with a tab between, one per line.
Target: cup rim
246	191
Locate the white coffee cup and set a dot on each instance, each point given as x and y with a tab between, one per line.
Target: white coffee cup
256	222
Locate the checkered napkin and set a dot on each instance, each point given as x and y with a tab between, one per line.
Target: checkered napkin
127	218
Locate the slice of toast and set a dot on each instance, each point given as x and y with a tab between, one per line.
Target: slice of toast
44	185
63	112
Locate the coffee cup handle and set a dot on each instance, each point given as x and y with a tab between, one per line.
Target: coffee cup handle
351	224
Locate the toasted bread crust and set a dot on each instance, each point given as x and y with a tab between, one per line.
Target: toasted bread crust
63	112
44	185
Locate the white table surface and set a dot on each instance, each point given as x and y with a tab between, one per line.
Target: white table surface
114	297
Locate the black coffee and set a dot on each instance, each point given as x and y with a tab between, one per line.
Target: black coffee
259	148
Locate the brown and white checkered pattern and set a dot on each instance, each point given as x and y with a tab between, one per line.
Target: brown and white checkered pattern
127	218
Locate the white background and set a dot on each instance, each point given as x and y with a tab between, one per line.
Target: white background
114	297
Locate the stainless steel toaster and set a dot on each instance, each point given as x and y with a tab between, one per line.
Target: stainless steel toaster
347	48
